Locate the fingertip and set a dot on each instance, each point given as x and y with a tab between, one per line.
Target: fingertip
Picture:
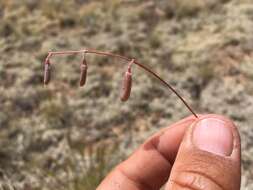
218	134
213	135
209	155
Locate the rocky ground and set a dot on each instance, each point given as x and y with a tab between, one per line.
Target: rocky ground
65	137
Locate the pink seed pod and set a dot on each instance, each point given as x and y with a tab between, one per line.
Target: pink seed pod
83	75
47	72
127	84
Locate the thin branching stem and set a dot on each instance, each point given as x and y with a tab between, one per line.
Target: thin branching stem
92	51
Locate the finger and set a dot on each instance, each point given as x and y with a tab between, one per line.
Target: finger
208	157
148	168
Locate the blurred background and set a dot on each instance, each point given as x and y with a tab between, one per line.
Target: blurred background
65	137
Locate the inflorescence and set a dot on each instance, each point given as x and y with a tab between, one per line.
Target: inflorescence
127	80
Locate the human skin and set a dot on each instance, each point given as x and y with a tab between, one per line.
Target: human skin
194	153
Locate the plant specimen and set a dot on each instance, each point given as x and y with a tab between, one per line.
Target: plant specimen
127	83
83	68
127	80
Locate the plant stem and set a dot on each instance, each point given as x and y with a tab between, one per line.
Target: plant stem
92	51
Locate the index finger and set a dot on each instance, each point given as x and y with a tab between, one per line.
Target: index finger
149	166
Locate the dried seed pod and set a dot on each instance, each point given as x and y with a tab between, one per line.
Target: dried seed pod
47	72
83	75
127	84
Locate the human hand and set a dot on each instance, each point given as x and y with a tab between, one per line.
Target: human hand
197	154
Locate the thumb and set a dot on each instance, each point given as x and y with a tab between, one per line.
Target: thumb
208	157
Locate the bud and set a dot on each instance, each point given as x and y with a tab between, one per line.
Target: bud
47	72
83	75
127	84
